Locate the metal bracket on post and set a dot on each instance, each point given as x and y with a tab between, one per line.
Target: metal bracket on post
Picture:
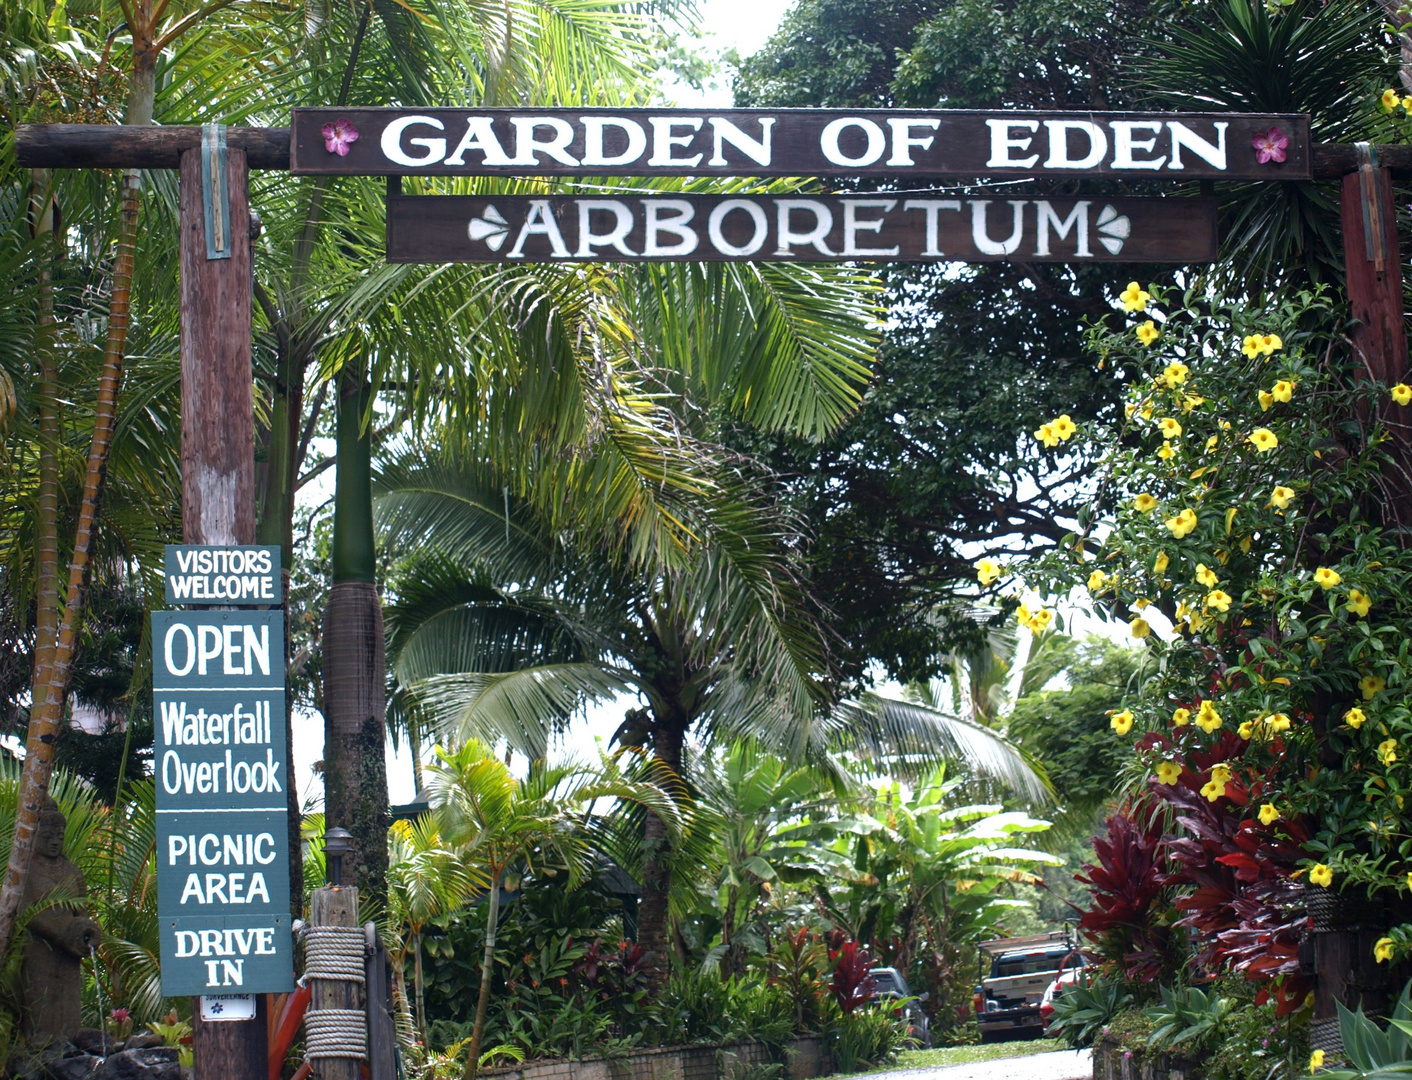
215	197
1374	236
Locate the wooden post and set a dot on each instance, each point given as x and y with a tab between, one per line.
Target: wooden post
335	905
218	468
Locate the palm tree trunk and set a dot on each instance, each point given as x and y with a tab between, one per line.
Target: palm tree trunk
48	698
418	984
653	932
487	971
355	767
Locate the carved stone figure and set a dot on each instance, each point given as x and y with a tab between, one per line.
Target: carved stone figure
59	936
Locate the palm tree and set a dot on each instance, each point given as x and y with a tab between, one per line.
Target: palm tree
541	825
425	879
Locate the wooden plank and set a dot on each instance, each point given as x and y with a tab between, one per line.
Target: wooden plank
902	143
112	146
217	413
1374	284
916	227
335	905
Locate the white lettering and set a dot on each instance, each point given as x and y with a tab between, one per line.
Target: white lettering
757	150
718	217
663	140
622	225
432	149
788	238
1059	144
480	135
540	222
185	631
593	127
677	226
903	140
932	208
1214	154
527	147
1077	221
1001	144
852	225
828	141
980	234
1124	144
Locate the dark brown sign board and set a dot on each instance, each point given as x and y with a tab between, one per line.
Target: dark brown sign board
916	227
798	142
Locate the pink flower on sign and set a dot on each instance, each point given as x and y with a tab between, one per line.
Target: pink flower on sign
340	136
1269	145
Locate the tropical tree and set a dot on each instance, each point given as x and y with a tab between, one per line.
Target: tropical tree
425	879
543	825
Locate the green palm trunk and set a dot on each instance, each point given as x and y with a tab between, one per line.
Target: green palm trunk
355	771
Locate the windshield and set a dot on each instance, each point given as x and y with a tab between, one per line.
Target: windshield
1008	964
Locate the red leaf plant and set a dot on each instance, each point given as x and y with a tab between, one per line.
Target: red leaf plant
1127	920
852	984
1243	901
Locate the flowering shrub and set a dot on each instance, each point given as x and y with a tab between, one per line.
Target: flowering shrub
1247	539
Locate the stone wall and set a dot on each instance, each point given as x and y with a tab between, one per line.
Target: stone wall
1112	1062
804	1061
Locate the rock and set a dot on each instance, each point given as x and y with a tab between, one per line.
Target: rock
91	1041
146	1063
140	1040
75	1067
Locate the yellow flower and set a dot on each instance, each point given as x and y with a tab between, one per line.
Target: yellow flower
1160	564
1251	346
1266	400
1277	722
1182	524
1355	718
1359	603
1269	343
1097	580
1246	730
1383	949
1175	373
1269	814
1321	875
1316	1059
1387	750
1264	440
1402	394
1218	599
1169	772
1181	717
1372	686
1147	333
1143	503
1191	401
1221	773
1326	577
1390	99
1166	452
1134	297
1207	718
1022	614
1064	428
1213	790
1122	722
1171	429
1045	434
987	570
1281	497
1212	441
1206	576
1407	104
1040	620
1282	391
1409	879
1140	628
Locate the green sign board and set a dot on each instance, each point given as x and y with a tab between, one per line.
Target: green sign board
228	576
222	779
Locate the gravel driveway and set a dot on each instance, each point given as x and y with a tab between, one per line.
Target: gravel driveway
1063	1065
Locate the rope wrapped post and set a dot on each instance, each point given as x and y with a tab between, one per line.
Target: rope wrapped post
336	1025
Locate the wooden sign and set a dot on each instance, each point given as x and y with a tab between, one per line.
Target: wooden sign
916	227
797	142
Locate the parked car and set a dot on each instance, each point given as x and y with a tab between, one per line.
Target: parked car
1071	970
889	983
1013	983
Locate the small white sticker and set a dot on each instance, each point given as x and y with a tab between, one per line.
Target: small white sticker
227	1007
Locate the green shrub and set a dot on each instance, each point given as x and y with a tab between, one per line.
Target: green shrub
1189	1020
867	1037
1083	1010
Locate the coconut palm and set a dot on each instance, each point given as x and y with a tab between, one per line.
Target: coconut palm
542	825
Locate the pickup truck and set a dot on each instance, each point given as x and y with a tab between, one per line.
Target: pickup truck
1014	974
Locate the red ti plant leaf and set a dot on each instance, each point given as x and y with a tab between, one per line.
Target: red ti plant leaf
852	984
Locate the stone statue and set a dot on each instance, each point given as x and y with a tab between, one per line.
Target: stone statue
51	975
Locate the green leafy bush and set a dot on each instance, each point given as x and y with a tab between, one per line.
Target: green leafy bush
1189	1019
1083	1010
867	1037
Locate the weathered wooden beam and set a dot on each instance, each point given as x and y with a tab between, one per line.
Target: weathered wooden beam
116	146
111	146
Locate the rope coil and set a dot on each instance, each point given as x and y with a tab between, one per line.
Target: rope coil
334	952
336	1033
